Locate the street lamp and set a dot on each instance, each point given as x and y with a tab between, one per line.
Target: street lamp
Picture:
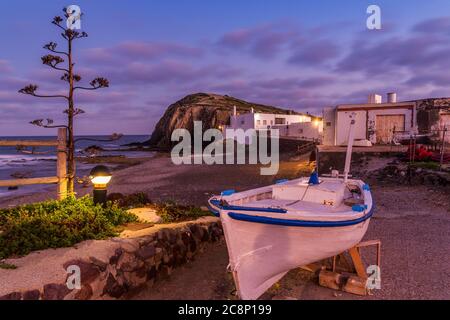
100	176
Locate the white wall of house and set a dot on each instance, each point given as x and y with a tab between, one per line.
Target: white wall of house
302	125
343	124
243	121
264	120
337	121
304	130
444	122
329	126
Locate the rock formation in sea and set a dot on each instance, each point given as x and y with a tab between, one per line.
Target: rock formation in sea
212	109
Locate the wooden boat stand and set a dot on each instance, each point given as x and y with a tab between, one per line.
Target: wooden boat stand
353	277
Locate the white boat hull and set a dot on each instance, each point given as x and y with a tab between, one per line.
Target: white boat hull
268	232
262	254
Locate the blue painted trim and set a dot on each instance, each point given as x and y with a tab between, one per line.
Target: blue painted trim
300	223
213	211
227	192
241	208
359	207
366	187
281	181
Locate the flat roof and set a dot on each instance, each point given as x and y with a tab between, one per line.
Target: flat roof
375	105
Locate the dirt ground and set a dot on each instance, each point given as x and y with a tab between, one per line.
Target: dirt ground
413	224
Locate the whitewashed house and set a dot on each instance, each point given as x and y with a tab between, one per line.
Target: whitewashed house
299	126
376	122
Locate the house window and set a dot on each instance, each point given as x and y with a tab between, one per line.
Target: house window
300	130
264	122
271	122
280	120
242	121
328	124
258	122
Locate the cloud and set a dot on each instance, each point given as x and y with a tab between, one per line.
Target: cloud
435	25
263	41
5	66
314	53
391	55
141	51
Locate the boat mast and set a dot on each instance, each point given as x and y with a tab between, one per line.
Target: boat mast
351	137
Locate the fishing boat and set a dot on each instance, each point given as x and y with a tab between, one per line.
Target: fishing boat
292	223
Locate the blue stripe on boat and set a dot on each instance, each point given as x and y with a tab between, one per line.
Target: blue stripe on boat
300	223
240	208
213	211
227	192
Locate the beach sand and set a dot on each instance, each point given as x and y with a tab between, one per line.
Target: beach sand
188	184
413	223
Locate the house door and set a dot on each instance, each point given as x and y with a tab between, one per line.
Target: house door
445	122
385	125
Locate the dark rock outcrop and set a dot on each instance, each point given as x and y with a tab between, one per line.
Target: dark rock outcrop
212	109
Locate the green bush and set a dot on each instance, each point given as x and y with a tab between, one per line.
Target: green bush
55	224
133	200
172	212
425	165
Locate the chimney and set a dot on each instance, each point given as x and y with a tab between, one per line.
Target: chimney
234	111
392	97
253	110
375	98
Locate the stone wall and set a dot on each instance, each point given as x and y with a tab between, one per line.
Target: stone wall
110	268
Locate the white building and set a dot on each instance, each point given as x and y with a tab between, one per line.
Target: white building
289	125
375	121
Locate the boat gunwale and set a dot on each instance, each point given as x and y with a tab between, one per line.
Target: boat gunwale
300	223
241	208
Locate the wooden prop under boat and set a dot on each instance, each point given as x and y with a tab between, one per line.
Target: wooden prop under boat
274	229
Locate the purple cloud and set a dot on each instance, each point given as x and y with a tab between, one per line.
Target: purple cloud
390	55
264	41
140	50
5	66
314	53
436	25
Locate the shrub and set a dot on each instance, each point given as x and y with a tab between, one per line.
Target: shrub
130	200
172	212
55	224
425	165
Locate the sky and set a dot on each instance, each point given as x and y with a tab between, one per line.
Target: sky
294	54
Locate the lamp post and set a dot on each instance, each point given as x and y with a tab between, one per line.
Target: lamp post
100	177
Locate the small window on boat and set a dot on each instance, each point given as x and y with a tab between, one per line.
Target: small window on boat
300	130
242	121
328	124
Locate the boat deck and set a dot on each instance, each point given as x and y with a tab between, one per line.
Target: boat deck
306	209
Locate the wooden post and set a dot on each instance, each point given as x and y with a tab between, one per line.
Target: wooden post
358	263
61	164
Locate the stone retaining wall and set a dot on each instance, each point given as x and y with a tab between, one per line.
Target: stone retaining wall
111	268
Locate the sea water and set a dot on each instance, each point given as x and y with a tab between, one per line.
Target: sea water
43	162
